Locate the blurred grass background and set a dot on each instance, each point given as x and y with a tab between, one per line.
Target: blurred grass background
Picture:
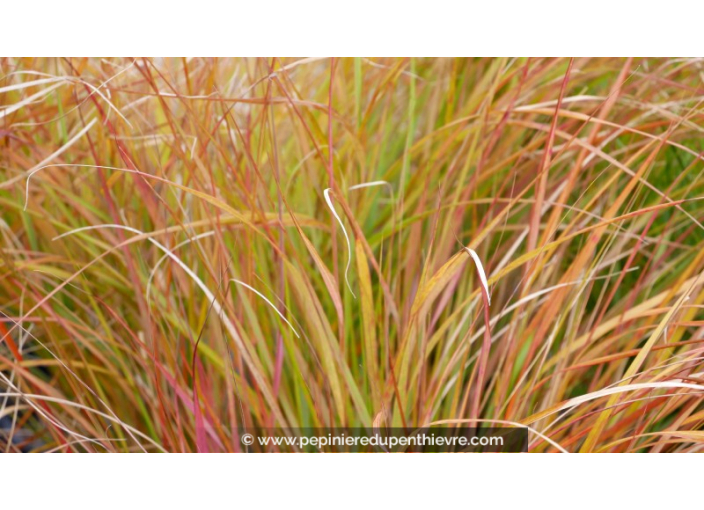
172	273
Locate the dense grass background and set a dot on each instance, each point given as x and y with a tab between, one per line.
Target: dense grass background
151	207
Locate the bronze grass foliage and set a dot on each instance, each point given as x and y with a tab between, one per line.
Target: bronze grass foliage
174	272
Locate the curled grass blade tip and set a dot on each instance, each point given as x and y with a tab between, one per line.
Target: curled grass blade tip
480	270
326	193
